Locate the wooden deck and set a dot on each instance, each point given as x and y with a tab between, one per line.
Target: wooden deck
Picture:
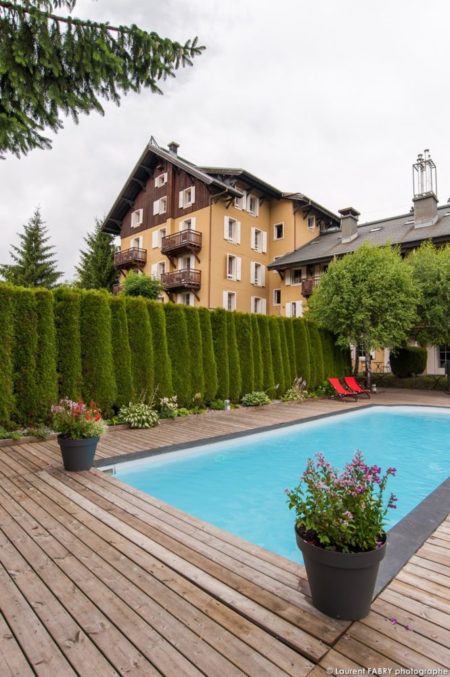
97	578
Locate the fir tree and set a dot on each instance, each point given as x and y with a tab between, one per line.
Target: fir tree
52	66
96	269
34	260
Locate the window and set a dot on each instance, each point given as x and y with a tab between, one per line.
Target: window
137	217
161	180
229	300
188	224
278	231
276	297
186	197
136	243
186	298
296	276
311	222
233	267
160	206
444	355
157	237
253	205
239	202
158	269
294	309
257	305
232	230
259	240
257	274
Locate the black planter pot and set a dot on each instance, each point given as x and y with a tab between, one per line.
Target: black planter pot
78	454
342	584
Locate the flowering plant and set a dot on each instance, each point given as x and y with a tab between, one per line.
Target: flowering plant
77	420
342	511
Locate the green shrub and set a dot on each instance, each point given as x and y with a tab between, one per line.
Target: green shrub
292	362
255	399
217	405
220	343
196	354
244	335
121	351
234	366
136	284
296	393
168	407
141	348
139	415
315	351
179	352
46	377
266	351
329	365
99	385
209	362
25	349
7	304
277	355
9	434
424	382
408	361
302	358
68	342
162	366
182	411
285	357
258	367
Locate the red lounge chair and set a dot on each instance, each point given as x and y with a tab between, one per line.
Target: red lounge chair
352	383
340	391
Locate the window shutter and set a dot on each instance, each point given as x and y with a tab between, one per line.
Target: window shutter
155	239
181	198
253	238
252	272
263	306
225	299
238	232
156	207
300	309
288	309
225	227
192	195
238	267
165	177
154	270
140	242
287	278
264	242
227	267
263	275
252	304
193	222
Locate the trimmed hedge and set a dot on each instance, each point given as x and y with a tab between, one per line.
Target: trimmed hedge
141	348
7	303
196	355
68	343
99	384
121	351
220	342
408	361
277	356
266	351
289	328
287	363
162	367
179	352
234	366
25	349
209	362
244	335
258	368
46	374
302	357
316	357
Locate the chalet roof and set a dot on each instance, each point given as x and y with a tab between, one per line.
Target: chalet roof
397	230
245	176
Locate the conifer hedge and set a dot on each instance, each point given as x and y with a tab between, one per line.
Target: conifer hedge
68	342
266	352
179	352
25	348
99	384
121	353
302	358
292	362
234	366
46	374
196	354
258	368
141	347
209	362
286	382
244	335
220	343
7	304
162	367
315	353
277	355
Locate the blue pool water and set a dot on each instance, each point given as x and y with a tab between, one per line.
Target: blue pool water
239	484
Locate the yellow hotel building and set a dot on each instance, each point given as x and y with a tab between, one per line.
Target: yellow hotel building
210	233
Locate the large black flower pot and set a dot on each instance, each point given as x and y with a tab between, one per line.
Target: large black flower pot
78	454
341	584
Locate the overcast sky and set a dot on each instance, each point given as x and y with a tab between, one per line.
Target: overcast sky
332	99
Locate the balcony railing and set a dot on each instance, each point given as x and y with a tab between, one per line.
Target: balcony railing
130	258
187	278
308	286
190	240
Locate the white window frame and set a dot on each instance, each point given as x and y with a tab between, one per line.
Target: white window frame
191	220
255	211
160	206
236	236
293	283
186	197
139	239
311	219
157	269
261	246
240	202
275	226
258	305
227	296
157	237
236	267
257	274
274	301
295	309
161	180
137	218
189	295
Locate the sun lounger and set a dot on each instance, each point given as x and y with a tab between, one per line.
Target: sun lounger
352	383
341	393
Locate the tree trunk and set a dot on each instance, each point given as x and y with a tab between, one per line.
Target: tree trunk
368	370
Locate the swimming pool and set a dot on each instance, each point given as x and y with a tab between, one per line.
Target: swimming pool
239	484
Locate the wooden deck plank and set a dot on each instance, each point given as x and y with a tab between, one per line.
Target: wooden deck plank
13	662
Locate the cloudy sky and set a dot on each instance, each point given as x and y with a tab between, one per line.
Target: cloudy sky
332	99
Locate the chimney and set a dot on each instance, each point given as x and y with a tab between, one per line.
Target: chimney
173	147
425	191
349	224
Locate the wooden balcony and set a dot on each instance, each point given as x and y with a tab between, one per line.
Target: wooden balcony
184	241
117	288
130	258
187	279
308	286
